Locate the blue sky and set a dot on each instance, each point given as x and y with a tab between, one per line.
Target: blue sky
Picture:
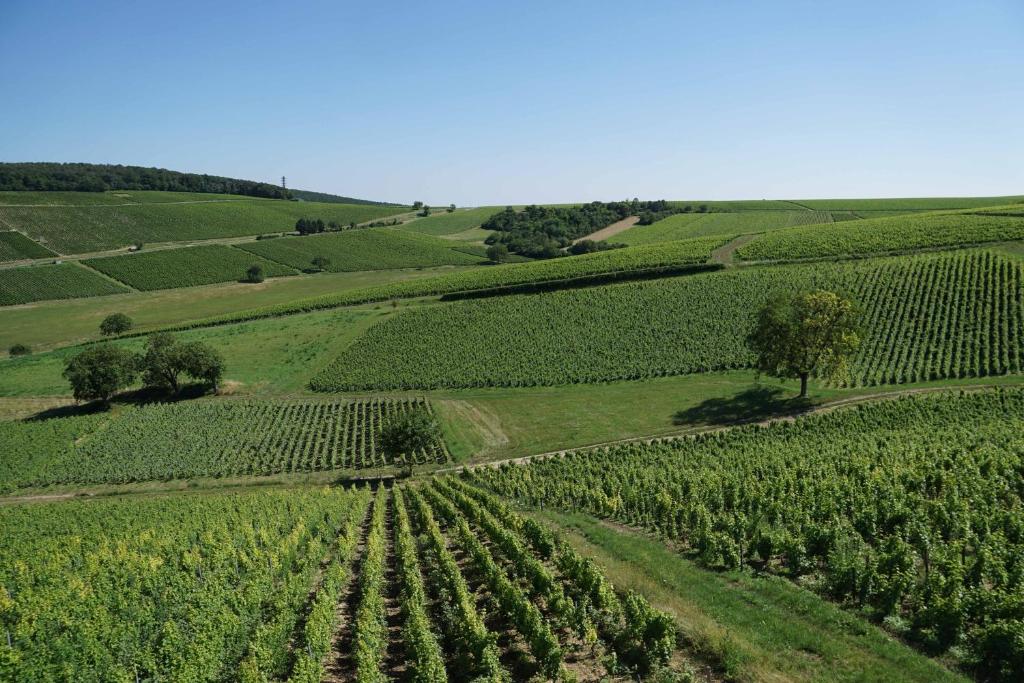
488	103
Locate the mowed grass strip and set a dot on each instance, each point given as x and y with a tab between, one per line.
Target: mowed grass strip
171	268
80	229
366	249
62	281
15	246
883	235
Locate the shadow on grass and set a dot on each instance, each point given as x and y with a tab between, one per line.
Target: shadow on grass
142	396
756	403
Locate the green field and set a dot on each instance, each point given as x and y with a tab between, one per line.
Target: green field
883	235
370	249
64	281
79	229
853	500
215	438
113	198
14	246
907	204
170	268
444	223
917	326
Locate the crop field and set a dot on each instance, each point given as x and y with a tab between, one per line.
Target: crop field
369	249
112	198
170	268
15	246
64	281
296	584
883	235
919	324
906	205
443	223
908	509
79	229
205	439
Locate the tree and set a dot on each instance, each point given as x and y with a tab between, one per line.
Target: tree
310	226
405	435
417	205
497	253
100	371
202	362
254	274
321	263
811	333
115	323
426	211
19	350
166	359
451	208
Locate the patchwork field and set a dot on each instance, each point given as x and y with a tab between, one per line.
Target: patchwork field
920	325
64	281
170	268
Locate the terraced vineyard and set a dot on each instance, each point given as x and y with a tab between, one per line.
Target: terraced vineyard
15	246
920	324
79	229
204	439
370	249
258	583
171	268
910	509
64	281
883	235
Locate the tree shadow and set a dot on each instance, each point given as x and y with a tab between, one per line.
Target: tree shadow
756	403
143	396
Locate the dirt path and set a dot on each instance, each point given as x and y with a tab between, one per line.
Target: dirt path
725	252
611	230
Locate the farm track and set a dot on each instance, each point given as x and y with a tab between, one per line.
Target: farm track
395	660
724	254
611	230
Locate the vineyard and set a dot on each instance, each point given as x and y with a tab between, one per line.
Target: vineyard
64	281
202	439
919	324
439	582
371	249
444	223
883	235
14	246
80	229
171	268
909	509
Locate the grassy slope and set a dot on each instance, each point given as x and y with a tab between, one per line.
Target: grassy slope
443	223
78	229
58	323
189	267
753	628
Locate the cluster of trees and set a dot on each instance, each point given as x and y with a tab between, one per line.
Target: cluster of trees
543	231
103	370
662	209
314	226
308	196
101	177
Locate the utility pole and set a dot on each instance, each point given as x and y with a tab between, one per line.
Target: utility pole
283	186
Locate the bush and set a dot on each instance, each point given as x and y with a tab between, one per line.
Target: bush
254	274
115	323
19	350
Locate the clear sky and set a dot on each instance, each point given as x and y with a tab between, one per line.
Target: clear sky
491	103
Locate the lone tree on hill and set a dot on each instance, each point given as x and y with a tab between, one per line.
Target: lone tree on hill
815	332
166	359
100	372
405	435
115	323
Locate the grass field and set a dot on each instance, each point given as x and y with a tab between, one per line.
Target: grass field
370	249
917	326
15	246
189	267
79	229
443	223
64	281
883	235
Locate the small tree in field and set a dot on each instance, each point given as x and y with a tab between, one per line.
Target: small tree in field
497	253
451	208
254	274
406	434
115	323
100	372
811	333
321	263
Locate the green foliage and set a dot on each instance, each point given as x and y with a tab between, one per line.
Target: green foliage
407	434
100	371
910	507
190	439
811	333
917	326
64	281
497	253
369	249
884	235
170	268
321	263
254	274
115	323
19	350
369	625
166	358
183	588
15	246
